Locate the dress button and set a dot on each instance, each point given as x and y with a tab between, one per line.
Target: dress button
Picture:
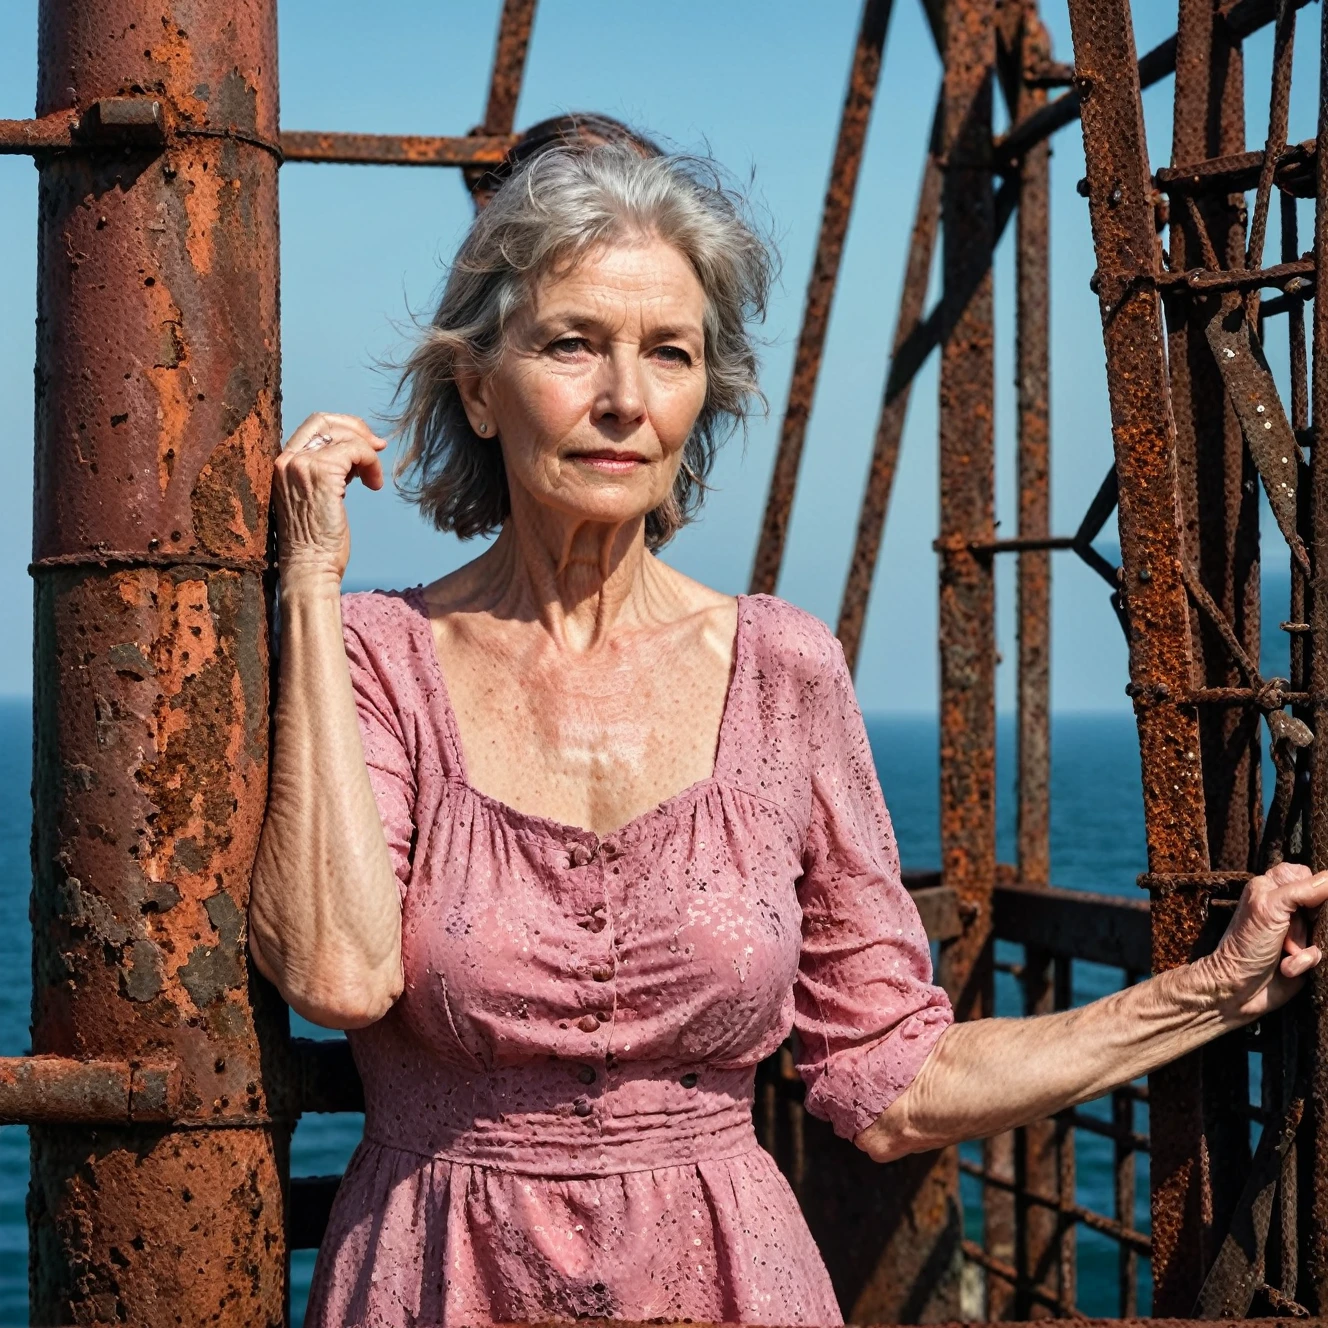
602	974
587	1023
581	1107
586	1074
580	855
688	1081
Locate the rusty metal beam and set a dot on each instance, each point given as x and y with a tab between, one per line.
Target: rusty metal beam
1157	64
154	445
509	65
1033	356
323	1076
54	1090
1313	1222
395	149
967	630
1043	1151
1240	18
1129	262
1217	486
864	75
894	409
1237	172
967	513
1074	924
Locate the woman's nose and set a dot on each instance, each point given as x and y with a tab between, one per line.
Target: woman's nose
621	394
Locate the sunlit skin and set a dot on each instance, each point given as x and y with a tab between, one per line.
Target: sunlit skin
589	680
587	676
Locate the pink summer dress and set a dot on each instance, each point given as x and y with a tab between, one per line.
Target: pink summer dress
558	1109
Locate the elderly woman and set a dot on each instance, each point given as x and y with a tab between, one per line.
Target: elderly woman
568	842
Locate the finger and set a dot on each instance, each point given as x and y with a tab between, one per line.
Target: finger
333	425
337	424
340	461
1298	931
1307	893
369	473
1286	873
1297	965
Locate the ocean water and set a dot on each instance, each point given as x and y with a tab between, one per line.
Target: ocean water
1097	844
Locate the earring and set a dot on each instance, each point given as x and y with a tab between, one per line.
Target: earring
484	428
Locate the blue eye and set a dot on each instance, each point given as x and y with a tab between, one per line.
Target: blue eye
675	354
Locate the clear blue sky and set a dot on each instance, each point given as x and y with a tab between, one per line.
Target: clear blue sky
760	82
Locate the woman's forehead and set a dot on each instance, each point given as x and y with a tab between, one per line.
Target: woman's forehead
647	274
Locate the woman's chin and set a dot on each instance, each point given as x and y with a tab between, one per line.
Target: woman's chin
603	500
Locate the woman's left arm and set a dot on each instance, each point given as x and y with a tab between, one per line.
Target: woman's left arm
991	1075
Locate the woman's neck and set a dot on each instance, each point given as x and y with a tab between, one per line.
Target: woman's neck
578	579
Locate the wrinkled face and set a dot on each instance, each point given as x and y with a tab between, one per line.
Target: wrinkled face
602	380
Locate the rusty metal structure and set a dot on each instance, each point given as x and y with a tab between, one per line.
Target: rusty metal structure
164	1084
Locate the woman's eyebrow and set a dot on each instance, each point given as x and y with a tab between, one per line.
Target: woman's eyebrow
562	320
680	332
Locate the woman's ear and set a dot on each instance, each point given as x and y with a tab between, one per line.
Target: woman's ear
472	388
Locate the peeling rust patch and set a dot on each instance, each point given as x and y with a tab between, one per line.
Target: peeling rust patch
143	979
128	658
225	508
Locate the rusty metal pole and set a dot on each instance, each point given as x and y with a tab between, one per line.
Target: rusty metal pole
894	407
864	75
1314	1190
967	510
157	398
1129	264
1033	355
1045	1246
509	65
1219	497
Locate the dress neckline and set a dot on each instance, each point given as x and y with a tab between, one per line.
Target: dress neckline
546	825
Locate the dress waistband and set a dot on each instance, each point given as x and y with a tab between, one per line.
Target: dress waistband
546	1121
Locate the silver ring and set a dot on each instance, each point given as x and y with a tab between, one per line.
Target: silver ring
319	440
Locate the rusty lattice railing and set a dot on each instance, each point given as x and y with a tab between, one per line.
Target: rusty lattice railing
165	1085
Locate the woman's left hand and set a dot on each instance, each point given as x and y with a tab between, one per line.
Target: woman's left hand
1263	959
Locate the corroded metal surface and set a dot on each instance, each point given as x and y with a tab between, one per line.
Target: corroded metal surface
154	447
395	149
894	410
53	1090
1033	242
509	65
1218	493
864	74
1314	1174
1044	1243
967	592
1122	213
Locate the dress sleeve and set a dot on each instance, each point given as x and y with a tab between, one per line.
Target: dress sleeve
866	1012
391	771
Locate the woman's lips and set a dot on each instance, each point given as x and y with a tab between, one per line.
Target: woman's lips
611	463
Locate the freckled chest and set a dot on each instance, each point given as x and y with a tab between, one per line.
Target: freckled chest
592	740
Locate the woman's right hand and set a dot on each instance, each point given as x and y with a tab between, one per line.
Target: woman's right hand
309	483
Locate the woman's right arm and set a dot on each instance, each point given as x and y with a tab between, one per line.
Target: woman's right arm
324	911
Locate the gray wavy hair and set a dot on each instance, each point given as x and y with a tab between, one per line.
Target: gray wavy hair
554	210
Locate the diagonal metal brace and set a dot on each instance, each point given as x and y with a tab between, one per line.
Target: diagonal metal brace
1103	505
1263	421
